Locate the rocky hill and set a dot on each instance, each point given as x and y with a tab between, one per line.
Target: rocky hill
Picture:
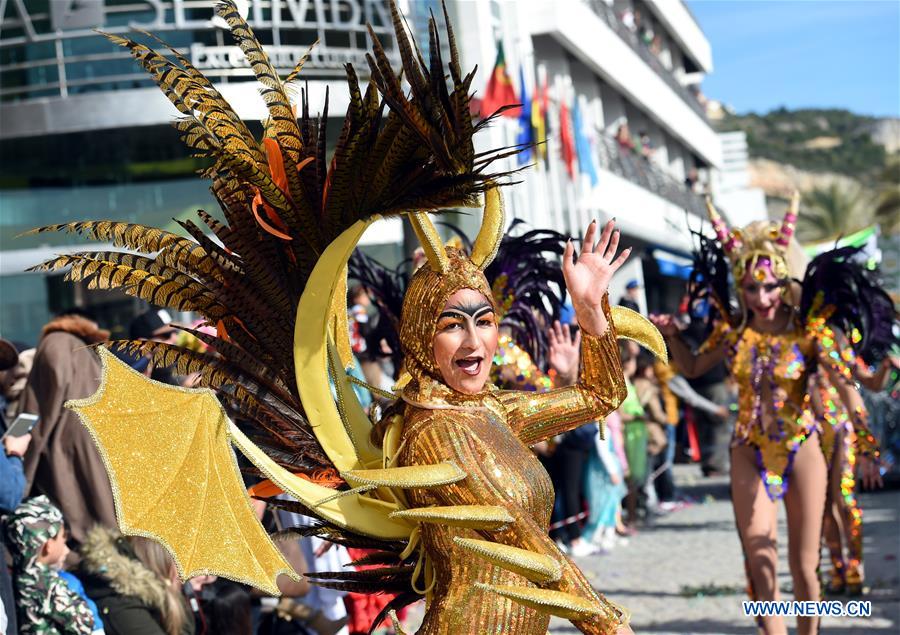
819	141
847	167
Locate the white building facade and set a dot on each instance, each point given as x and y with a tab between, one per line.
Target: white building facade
741	203
628	62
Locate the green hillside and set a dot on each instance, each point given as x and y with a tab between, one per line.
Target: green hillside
814	139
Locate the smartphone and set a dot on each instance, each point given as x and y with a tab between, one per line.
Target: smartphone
22	425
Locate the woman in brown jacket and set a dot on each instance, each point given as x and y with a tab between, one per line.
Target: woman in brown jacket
62	461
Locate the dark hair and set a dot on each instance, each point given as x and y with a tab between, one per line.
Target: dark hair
228	611
355	291
644	361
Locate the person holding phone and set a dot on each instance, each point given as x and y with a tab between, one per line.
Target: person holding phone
12	474
12	487
16	438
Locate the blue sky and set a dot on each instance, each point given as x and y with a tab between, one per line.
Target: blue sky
816	53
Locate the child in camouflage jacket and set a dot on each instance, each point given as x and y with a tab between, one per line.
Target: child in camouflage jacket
36	539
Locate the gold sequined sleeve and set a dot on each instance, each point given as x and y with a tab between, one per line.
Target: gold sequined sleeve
838	359
599	391
453	436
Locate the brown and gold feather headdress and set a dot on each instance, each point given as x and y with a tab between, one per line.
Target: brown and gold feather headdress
283	205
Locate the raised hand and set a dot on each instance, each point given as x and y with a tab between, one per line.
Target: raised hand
564	352
588	276
665	323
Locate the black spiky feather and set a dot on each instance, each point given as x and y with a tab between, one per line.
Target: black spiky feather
710	281
856	302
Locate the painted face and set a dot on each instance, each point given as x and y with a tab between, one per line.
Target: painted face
465	341
762	291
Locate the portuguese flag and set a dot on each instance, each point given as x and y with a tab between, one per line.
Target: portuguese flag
500	91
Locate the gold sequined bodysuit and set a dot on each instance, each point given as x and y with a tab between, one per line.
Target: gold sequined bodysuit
488	436
775	414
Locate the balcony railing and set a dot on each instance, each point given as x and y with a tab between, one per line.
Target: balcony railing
608	15
646	174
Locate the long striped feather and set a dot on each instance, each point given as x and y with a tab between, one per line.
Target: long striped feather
281	115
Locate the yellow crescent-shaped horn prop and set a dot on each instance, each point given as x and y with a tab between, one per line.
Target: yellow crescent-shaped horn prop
347	449
491	233
430	240
631	325
340	326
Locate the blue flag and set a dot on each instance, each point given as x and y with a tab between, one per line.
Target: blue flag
586	163
526	132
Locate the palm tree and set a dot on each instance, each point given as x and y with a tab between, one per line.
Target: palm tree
887	212
830	212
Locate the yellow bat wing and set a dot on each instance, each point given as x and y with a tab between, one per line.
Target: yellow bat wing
175	478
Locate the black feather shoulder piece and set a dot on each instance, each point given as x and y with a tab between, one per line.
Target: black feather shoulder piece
849	296
710	280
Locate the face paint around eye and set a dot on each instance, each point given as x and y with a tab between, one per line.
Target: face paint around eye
465	341
467	310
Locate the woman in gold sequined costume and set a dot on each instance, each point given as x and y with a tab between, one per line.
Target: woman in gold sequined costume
773	343
449	334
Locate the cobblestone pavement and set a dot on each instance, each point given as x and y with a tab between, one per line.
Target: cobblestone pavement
685	573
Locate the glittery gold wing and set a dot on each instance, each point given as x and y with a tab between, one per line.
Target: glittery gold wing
175	478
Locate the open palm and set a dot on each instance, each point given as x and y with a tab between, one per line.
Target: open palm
588	276
564	353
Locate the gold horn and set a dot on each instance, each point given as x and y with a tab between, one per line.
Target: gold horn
491	233
730	242
430	240
789	222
